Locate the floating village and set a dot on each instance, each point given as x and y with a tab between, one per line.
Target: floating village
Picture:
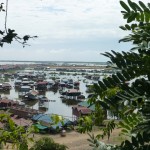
31	93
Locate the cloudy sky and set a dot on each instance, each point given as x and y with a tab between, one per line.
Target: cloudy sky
67	30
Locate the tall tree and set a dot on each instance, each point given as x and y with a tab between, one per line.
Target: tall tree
130	102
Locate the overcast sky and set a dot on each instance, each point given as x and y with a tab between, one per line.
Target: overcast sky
68	30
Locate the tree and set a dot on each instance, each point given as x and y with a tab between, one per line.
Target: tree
129	102
17	135
46	143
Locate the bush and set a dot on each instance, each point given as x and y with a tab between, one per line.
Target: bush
47	144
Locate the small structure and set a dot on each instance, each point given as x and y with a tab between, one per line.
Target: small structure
24	90
31	95
41	128
23	112
82	109
44	119
25	83
62	84
76	83
21	121
6	103
79	111
41	86
96	78
47	121
1	86
6	86
73	94
18	84
50	84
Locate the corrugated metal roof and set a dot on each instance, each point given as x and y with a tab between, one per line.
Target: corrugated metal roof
84	103
73	91
42	117
84	110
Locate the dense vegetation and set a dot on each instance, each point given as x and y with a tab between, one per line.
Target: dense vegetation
47	144
128	101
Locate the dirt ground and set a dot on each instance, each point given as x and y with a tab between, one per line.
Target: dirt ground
76	141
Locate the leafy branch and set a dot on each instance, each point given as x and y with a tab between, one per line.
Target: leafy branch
8	35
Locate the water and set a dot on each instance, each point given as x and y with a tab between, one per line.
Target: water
13	62
57	107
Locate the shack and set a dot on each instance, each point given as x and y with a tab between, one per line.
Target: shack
82	109
41	86
23	112
6	86
24	90
21	121
31	95
18	84
73	94
6	103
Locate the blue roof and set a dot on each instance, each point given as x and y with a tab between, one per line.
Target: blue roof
92	107
42	117
58	125
67	122
47	118
41	127
86	104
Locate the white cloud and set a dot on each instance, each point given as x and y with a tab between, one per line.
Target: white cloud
65	23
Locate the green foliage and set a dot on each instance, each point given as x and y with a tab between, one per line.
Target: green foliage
107	130
138	142
140	16
47	144
129	101
85	124
17	135
99	116
129	123
98	145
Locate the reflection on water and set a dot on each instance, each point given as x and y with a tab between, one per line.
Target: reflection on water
56	107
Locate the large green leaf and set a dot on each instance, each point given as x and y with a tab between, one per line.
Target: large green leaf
143	5
124	6
132	17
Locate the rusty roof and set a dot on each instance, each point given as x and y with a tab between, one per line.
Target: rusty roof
21	121
73	91
82	109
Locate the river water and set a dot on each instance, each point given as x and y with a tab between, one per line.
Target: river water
54	107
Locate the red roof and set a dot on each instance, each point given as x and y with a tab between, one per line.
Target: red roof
73	91
22	121
33	92
44	82
8	101
83	110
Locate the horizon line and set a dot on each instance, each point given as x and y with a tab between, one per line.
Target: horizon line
51	61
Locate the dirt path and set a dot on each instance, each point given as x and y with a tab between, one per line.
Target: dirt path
76	141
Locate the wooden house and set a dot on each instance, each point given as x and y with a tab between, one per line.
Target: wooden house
23	112
41	86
